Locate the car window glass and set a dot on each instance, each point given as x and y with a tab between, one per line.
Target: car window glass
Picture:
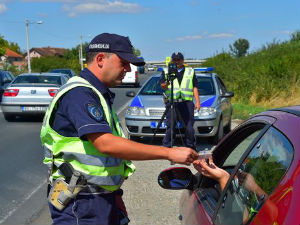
205	86
152	87
38	80
240	149
50	80
10	76
6	77
256	178
221	85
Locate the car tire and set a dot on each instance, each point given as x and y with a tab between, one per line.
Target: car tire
227	128
219	134
134	138
9	117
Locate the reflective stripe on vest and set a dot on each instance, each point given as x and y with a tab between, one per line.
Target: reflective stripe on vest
98	168
183	91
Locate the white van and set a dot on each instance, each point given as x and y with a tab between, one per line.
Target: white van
132	77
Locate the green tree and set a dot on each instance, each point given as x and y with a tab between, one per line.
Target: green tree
3	45
295	36
15	47
136	51
240	47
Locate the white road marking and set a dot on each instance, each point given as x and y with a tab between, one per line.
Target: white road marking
24	200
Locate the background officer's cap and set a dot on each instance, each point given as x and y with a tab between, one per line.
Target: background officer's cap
177	56
114	43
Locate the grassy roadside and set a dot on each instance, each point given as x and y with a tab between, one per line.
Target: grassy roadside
244	111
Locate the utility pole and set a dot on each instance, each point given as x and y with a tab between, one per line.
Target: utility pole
80	53
27	40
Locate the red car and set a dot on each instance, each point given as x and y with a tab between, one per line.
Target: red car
265	150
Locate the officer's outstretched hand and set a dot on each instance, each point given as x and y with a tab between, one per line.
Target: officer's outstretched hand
182	155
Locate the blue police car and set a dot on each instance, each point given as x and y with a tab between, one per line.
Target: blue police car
214	118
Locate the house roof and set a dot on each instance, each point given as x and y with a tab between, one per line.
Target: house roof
11	53
49	51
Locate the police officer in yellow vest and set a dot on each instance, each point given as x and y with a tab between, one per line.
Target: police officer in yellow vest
85	148
184	89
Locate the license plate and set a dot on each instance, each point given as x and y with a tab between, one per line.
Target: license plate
164	125
154	125
33	108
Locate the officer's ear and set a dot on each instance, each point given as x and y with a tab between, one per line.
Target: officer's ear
99	59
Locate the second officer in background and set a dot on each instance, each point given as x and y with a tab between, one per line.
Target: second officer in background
185	88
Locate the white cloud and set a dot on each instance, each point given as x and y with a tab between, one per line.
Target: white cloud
75	7
2	8
220	35
103	7
190	37
202	36
285	32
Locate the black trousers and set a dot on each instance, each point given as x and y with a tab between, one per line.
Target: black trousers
186	110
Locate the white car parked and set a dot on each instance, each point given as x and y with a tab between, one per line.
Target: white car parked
132	77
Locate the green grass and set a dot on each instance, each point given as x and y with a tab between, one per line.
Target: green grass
244	111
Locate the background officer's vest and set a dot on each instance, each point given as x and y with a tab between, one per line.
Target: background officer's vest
98	168
183	91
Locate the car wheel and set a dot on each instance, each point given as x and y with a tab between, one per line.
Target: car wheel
219	133
134	138
227	128
9	117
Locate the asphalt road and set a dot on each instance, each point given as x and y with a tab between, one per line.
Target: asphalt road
23	176
23	185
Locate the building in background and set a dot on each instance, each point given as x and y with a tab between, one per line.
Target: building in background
46	51
11	58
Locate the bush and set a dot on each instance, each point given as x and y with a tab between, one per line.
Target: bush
272	71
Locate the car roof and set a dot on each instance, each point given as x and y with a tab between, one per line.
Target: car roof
42	74
295	110
205	74
197	74
61	69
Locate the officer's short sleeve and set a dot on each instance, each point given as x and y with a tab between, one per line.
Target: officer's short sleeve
195	81
84	110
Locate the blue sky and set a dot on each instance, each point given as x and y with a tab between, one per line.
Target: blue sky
197	28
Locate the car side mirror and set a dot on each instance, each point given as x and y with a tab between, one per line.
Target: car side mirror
228	94
176	178
130	93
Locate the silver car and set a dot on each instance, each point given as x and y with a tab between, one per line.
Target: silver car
30	94
147	107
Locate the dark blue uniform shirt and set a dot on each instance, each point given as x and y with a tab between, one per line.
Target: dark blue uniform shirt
73	117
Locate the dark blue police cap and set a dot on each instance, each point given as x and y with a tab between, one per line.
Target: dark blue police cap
116	44
177	56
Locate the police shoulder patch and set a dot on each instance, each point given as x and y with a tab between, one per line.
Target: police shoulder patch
95	111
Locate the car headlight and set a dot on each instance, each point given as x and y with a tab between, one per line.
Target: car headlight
205	111
135	111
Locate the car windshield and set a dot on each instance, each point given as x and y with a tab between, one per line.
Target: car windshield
38	80
152	87
206	86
